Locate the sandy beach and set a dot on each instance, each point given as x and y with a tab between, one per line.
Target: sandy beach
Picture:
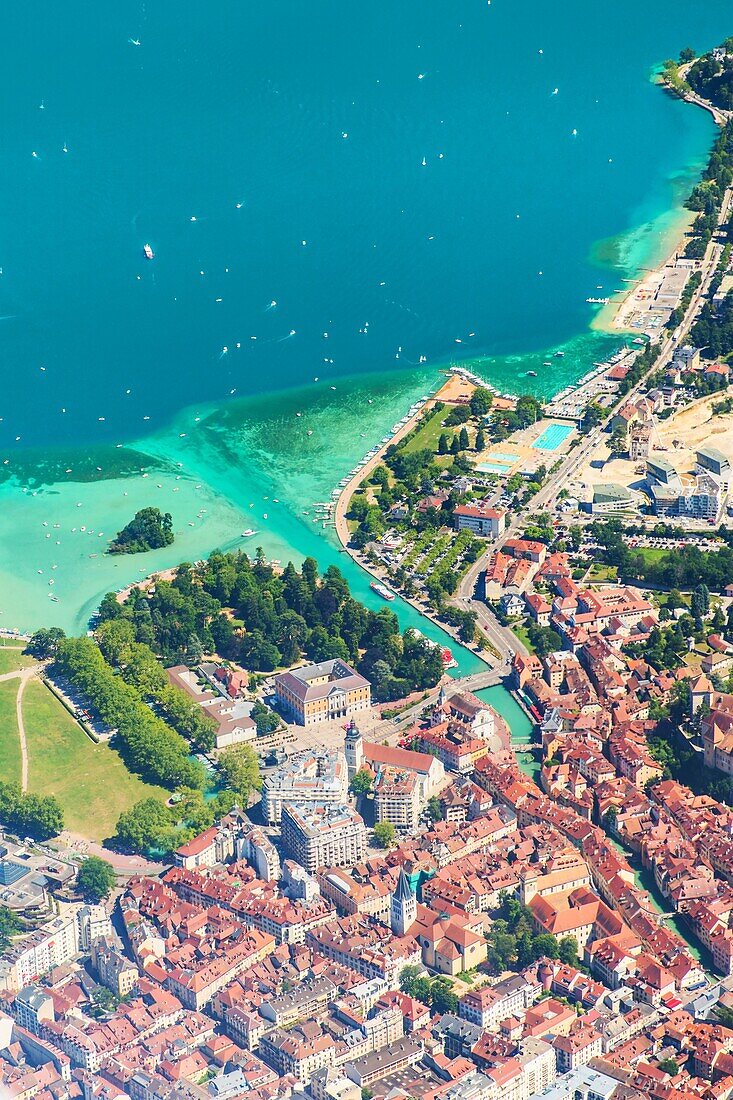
639	308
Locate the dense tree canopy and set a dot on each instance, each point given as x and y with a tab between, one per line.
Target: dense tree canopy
96	878
685	568
148	744
246	612
712	78
29	814
149	529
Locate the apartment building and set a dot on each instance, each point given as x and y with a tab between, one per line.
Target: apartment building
321	835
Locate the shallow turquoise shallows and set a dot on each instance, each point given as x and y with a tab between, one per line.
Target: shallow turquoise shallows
339	198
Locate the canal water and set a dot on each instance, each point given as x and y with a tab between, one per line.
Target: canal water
519	723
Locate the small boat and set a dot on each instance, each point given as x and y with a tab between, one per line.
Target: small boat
148	252
381	590
559	354
248	533
531	374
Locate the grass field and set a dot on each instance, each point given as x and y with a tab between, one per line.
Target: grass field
520	630
651	554
600	572
13	659
10	765
90	781
12	643
428	435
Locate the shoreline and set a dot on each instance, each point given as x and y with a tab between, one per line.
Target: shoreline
612	316
343	501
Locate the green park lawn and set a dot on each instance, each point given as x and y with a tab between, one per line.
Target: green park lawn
90	781
520	630
13	659
600	573
10	763
427	436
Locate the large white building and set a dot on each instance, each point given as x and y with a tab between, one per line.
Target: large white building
305	777
94	924
479	518
318	835
54	944
322	692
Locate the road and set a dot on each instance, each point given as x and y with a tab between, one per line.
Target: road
395	727
501	638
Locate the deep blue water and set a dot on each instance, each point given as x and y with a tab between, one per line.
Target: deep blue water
234	102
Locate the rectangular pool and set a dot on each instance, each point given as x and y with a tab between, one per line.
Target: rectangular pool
495	456
553	437
493	468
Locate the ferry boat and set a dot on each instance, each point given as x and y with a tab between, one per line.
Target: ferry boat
381	590
447	658
147	250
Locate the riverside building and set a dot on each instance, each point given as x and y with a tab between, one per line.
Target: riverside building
322	692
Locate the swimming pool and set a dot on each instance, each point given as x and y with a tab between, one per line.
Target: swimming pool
493	468
495	456
553	436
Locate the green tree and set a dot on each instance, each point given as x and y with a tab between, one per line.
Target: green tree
104	1002
147	824
435	810
668	1065
463	439
480	440
45	642
408	975
594	414
96	878
455	446
384	834
443	444
10	925
149	529
30	814
442	997
240	770
568	951
362	782
481	401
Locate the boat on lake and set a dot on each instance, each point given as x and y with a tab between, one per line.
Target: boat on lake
381	590
148	252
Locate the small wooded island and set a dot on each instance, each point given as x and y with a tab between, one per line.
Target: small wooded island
149	529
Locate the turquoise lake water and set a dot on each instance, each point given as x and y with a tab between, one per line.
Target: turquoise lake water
332	192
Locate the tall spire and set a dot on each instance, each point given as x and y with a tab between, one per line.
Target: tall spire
403	907
353	749
404	890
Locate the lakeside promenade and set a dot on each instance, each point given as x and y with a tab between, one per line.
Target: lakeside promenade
455	386
451	388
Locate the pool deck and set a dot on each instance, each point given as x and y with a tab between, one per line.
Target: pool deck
520	453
